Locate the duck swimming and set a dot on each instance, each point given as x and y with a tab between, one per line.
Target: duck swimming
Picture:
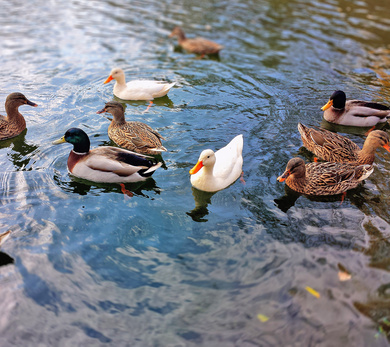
137	89
216	171
323	178
134	136
13	124
197	45
333	147
354	112
105	164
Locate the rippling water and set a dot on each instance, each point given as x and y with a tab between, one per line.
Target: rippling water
170	266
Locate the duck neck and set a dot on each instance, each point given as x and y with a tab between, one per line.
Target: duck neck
13	113
367	154
82	147
120	80
181	36
119	117
297	183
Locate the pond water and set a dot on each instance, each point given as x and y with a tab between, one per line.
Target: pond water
170	266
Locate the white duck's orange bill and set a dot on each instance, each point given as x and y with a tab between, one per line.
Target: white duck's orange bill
196	168
109	79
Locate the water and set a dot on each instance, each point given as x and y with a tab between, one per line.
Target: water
170	267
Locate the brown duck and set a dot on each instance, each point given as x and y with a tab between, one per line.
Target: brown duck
333	147
135	136
323	178
197	45
13	124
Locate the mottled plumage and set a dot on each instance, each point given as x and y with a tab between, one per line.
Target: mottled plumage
323	178
354	112
13	124
197	45
135	136
105	164
137	89
333	147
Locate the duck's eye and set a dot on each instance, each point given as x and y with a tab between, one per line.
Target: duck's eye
208	156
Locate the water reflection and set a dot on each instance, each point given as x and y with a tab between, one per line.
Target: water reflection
21	152
80	186
356	196
164	101
202	200
337	128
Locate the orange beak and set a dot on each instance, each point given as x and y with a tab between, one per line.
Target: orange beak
109	79
325	107
196	168
386	147
284	176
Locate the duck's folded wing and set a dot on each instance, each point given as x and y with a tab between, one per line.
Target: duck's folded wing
149	86
368	104
104	164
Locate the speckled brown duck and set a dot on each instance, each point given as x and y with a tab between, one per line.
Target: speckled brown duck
135	136
197	45
333	147
13	124
323	178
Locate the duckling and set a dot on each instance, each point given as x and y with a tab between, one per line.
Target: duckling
135	136
197	45
323	178
354	112
137	89
13	124
105	164
333	147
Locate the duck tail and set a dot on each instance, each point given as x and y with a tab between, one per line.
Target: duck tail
153	168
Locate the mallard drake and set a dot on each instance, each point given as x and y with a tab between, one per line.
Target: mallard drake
333	147
216	171
105	164
197	45
135	136
13	124
137	89
354	112
323	178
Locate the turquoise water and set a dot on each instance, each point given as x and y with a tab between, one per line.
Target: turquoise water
170	267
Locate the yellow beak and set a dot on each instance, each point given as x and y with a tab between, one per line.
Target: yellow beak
325	107
59	141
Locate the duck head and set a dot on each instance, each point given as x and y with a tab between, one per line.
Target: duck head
296	167
206	159
115	74
78	138
337	100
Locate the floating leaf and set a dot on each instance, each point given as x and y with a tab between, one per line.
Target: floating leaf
313	292
262	318
344	276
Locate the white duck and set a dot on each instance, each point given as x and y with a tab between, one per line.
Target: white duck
137	89
216	171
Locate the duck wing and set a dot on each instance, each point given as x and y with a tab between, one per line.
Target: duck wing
327	145
117	160
359	108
